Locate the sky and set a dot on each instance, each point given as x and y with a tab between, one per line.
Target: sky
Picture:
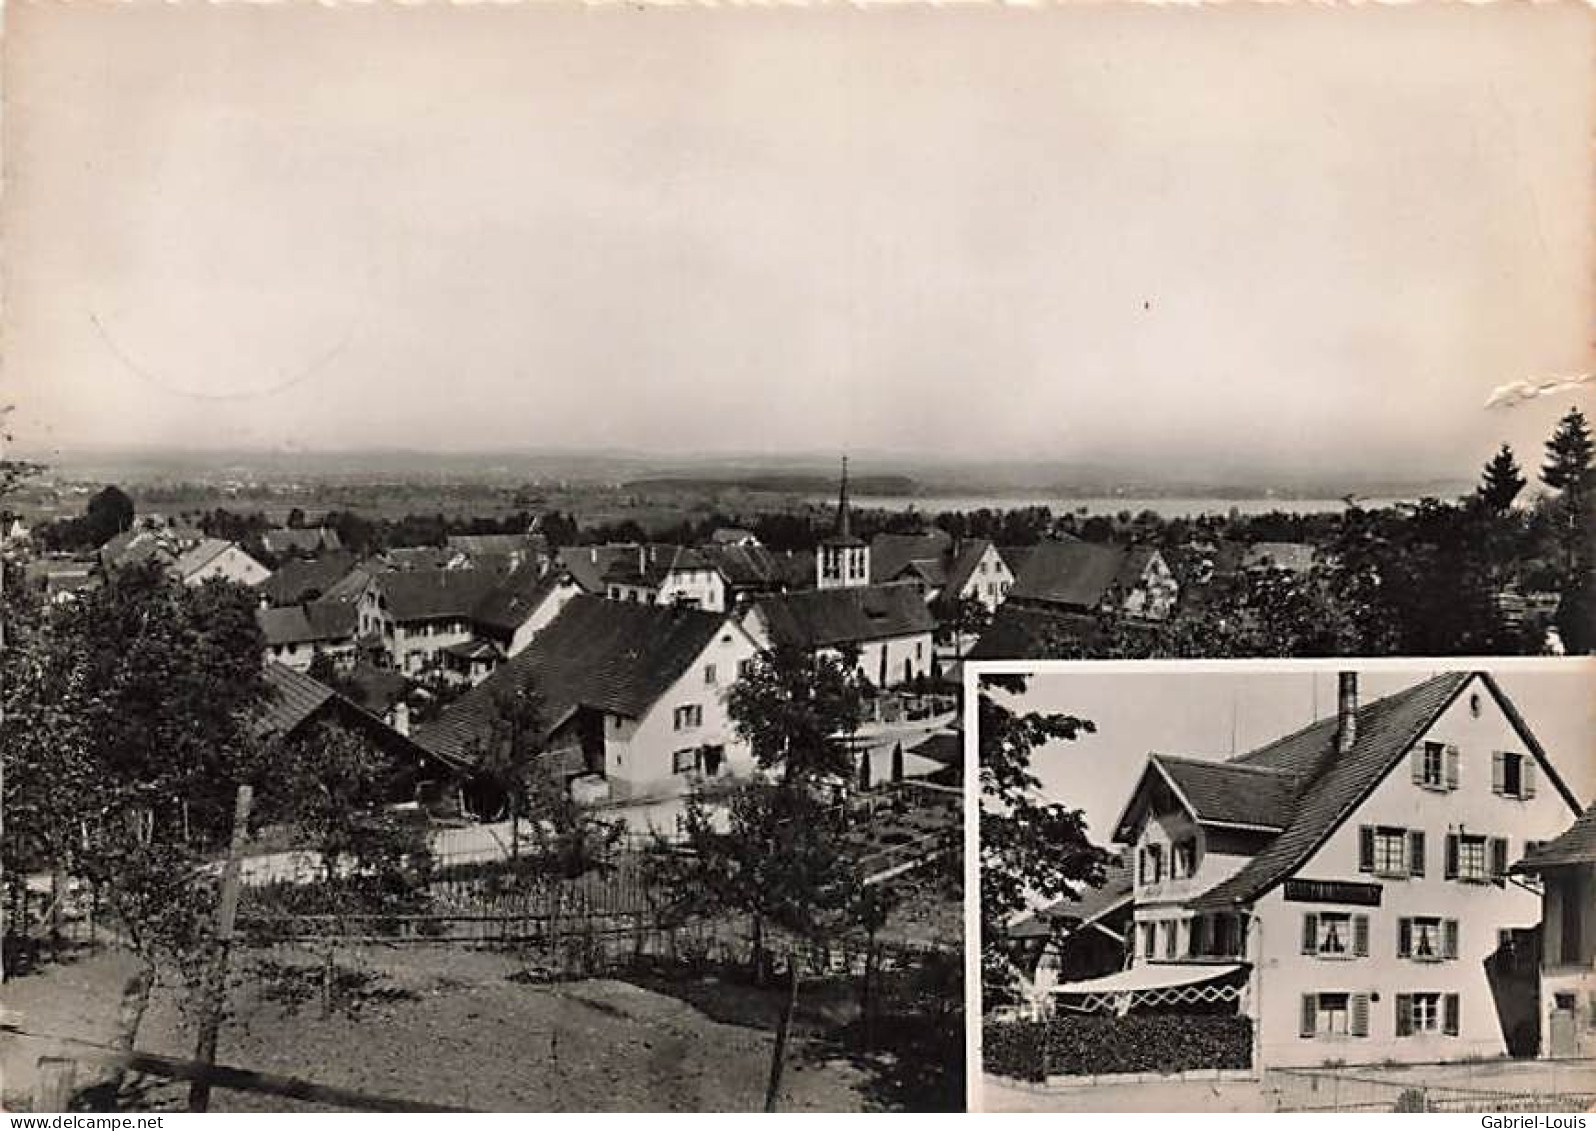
1241	238
1214	713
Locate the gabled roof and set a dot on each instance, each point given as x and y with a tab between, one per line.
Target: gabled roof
1226	793
297	699
733	535
653	562
966	557
299	578
1020	632
426	594
1115	892
192	561
494	543
1334	785
826	618
426	558
755	566
1577	845
1074	575
891	555
515	597
618	657
307	623
587	565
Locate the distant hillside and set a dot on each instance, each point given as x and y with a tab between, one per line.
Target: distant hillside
773	484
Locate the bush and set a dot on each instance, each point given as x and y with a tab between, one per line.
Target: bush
1096	1046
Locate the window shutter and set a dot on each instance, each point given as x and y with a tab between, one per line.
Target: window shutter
1404	938
1310	1015
1449	938
1498	860
1416	852
1416	764
1527	777
1141	865
1496	771
1451	767
1360	1015
1360	936
1404	1015
1366	848
1451	856
1310	934
1449	1014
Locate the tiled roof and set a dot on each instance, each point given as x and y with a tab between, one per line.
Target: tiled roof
822	618
493	543
749	567
587	565
1021	633
307	623
1116	890
200	556
426	594
1074	575
515	597
618	657
1232	793
1335	784
407	558
966	558
296	697
302	579
892	554
652	563
1575	846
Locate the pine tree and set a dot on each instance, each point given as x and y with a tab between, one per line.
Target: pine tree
1501	481
1568	453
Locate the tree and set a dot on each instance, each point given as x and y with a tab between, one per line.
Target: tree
296	519
961	619
1032	850
109	513
130	722
1501	481
1568	453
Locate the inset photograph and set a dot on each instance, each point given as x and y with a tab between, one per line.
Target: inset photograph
1284	887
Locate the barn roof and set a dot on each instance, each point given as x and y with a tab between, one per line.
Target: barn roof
299	577
1076	575
307	623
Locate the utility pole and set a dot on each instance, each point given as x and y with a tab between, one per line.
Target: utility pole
199	1091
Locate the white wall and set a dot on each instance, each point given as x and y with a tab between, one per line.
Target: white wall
703	588
1165	900
553	602
990	582
638	753
232	564
1480	909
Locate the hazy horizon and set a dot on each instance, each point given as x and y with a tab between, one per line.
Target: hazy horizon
1300	244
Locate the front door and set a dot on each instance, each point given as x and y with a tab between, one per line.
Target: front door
1563	1039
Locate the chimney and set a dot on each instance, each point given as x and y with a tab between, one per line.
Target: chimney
1346	711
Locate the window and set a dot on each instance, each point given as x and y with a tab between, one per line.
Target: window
743	667
1152	864
1476	858
689	716
1171	938
1435	766
1148	940
1335	934
1388	852
1427	939
1335	1015
1427	1013
1183	860
709	674
684	761
1512	775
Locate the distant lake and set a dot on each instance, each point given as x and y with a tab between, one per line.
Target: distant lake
1169	507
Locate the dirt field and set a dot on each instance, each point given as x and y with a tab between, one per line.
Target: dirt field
449	1026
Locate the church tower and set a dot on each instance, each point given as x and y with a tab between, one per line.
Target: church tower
843	560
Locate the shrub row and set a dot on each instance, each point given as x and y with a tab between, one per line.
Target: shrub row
1098	1046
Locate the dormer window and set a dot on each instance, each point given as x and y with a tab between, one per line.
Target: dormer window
1152	864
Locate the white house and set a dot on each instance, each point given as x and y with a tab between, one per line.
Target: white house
887	627
214	557
631	697
1347	885
978	572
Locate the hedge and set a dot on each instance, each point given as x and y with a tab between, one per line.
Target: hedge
1098	1046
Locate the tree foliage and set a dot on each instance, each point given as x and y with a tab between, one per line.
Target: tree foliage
1501	481
1568	453
1032	851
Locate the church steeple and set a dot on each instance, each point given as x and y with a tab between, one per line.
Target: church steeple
843	560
